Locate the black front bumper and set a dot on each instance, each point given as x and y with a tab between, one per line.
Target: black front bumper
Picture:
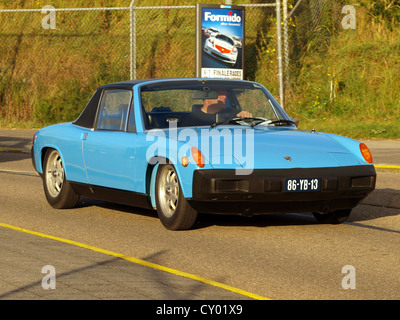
221	191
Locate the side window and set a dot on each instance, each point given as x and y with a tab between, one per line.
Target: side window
113	111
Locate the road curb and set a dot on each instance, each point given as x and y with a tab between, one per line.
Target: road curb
14	150
387	167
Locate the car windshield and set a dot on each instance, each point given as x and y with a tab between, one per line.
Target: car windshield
224	38
192	103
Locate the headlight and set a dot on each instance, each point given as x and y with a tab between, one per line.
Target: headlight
197	157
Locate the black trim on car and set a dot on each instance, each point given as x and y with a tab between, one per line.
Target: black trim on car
123	197
222	191
87	118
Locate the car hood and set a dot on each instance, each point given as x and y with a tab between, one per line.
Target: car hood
275	148
221	44
299	149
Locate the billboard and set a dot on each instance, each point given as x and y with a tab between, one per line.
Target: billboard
220	41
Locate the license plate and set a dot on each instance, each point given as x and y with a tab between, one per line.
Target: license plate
303	185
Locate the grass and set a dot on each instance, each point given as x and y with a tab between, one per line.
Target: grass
351	86
353	128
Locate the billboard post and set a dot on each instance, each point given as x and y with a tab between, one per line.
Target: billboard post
220	41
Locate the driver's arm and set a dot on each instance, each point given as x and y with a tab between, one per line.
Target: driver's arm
244	114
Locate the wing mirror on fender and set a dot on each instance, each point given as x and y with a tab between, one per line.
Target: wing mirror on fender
296	121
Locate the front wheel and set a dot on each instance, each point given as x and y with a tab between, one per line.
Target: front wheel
173	209
57	189
335	217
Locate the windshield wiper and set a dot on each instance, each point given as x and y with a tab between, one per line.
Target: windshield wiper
230	121
246	121
282	121
255	121
260	120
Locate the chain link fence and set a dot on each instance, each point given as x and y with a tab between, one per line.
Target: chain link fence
47	74
309	24
51	61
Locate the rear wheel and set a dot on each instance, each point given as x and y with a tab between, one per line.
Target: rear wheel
173	209
57	189
335	217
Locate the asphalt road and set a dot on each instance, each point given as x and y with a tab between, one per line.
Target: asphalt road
286	256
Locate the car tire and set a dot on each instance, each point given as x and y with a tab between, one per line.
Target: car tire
335	217
173	209
57	189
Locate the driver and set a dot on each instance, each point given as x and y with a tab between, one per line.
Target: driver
213	106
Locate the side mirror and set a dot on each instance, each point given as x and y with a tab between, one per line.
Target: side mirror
296	122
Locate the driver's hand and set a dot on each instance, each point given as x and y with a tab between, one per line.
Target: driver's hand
244	114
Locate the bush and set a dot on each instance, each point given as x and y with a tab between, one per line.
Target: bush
64	106
387	11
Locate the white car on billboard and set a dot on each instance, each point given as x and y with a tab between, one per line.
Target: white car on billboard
222	47
238	41
211	32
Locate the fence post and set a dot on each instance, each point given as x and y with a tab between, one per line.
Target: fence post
286	41
133	41
279	36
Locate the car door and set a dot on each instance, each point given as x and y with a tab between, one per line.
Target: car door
109	150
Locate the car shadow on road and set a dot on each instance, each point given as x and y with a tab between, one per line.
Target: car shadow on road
260	221
85	202
205	220
379	204
364	211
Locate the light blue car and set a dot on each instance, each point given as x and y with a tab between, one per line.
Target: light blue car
184	146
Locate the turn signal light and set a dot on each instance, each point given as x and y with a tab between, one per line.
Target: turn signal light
197	157
185	161
366	153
